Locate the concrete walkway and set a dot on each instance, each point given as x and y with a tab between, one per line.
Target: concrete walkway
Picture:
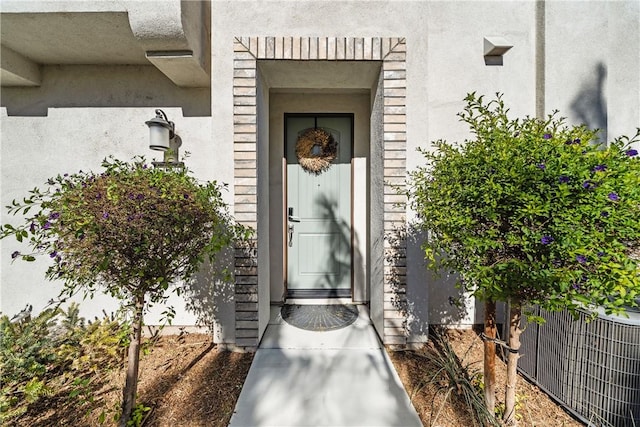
338	378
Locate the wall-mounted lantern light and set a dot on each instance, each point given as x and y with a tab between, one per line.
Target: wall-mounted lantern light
161	131
162	137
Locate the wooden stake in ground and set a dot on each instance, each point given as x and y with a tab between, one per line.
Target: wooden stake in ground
490	355
515	315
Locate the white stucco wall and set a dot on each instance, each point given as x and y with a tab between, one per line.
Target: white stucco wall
452	53
445	62
80	114
265	250
592	66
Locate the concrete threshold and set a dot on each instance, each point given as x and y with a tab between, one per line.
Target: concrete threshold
319	301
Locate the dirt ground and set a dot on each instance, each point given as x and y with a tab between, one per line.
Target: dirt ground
187	382
534	408
191	383
184	381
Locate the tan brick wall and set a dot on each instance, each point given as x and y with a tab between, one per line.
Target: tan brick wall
392	53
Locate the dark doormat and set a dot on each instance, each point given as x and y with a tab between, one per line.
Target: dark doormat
319	317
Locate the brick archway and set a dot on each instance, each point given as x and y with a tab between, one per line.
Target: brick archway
391	52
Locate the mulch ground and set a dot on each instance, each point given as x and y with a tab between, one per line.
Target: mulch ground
192	383
534	407
187	381
184	380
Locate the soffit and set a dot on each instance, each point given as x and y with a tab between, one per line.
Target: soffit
309	75
153	32
72	37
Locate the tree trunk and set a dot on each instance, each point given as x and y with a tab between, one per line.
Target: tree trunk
490	355
133	359
515	314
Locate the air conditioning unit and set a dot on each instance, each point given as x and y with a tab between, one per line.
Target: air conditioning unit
592	368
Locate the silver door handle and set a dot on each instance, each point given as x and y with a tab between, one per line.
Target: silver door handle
291	217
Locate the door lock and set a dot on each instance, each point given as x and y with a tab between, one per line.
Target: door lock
292	220
291	226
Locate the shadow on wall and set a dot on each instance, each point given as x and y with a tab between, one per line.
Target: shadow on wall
425	299
429	298
447	303
339	257
210	296
395	274
589	105
86	86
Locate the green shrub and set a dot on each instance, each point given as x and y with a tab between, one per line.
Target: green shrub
56	355
533	211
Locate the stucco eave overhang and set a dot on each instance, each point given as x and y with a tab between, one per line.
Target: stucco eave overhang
173	35
327	75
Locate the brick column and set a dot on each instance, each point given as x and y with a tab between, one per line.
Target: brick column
395	171
392	53
245	194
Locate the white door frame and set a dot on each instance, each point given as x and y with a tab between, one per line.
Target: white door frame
334	293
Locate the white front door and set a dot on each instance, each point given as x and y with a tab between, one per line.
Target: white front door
318	214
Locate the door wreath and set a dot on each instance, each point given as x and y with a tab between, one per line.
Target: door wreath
315	150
